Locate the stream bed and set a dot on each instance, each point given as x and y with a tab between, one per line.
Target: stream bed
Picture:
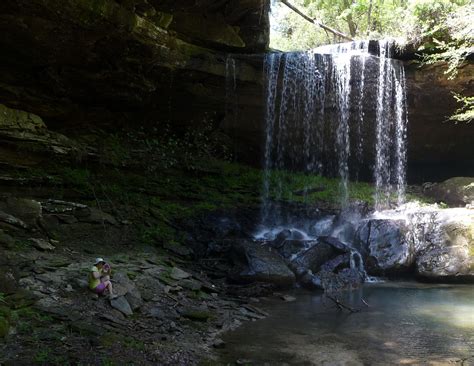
406	323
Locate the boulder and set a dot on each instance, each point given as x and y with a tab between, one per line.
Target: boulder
42	244
121	304
451	254
134	298
27	210
385	245
255	262
320	252
122	285
178	274
196	313
310	281
292	247
455	192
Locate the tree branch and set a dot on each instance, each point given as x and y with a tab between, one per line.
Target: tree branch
341	305
315	22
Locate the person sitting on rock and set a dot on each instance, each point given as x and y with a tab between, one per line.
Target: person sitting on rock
99	278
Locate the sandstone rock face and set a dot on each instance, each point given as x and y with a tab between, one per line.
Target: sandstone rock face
112	63
451	256
436	244
437	148
458	191
116	62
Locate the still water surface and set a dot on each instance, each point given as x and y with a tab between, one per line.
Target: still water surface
404	324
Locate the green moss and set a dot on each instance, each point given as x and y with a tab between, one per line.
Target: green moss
4	327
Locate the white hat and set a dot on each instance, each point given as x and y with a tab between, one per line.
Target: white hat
98	260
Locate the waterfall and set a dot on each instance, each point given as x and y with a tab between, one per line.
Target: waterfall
391	125
320	118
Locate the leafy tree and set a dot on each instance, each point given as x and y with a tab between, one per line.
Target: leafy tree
416	20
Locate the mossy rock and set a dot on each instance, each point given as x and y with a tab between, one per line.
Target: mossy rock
21	299
5	312
6	240
457	191
4	327
196	314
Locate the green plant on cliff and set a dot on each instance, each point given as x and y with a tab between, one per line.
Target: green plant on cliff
455	44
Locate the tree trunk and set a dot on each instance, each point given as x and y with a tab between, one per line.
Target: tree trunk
350	21
369	15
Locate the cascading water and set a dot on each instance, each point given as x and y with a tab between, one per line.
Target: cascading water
318	121
391	125
329	111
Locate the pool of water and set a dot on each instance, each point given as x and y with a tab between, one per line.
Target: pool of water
403	324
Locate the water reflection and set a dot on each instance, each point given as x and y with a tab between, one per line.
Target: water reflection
404	324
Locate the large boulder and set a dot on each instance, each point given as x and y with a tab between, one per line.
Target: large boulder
27	210
334	275
385	246
256	262
457	191
451	253
319	252
289	248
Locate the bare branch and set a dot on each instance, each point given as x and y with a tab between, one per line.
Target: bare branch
315	22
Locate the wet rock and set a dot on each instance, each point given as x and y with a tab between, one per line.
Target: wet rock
338	245
178	274
455	192
323	226
280	238
385	244
259	263
311	281
314	257
122	305
451	253
292	247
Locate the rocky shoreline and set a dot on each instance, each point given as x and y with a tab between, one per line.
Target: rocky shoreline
164	315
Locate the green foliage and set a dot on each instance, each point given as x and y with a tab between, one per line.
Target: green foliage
466	112
454	41
43	355
421	21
